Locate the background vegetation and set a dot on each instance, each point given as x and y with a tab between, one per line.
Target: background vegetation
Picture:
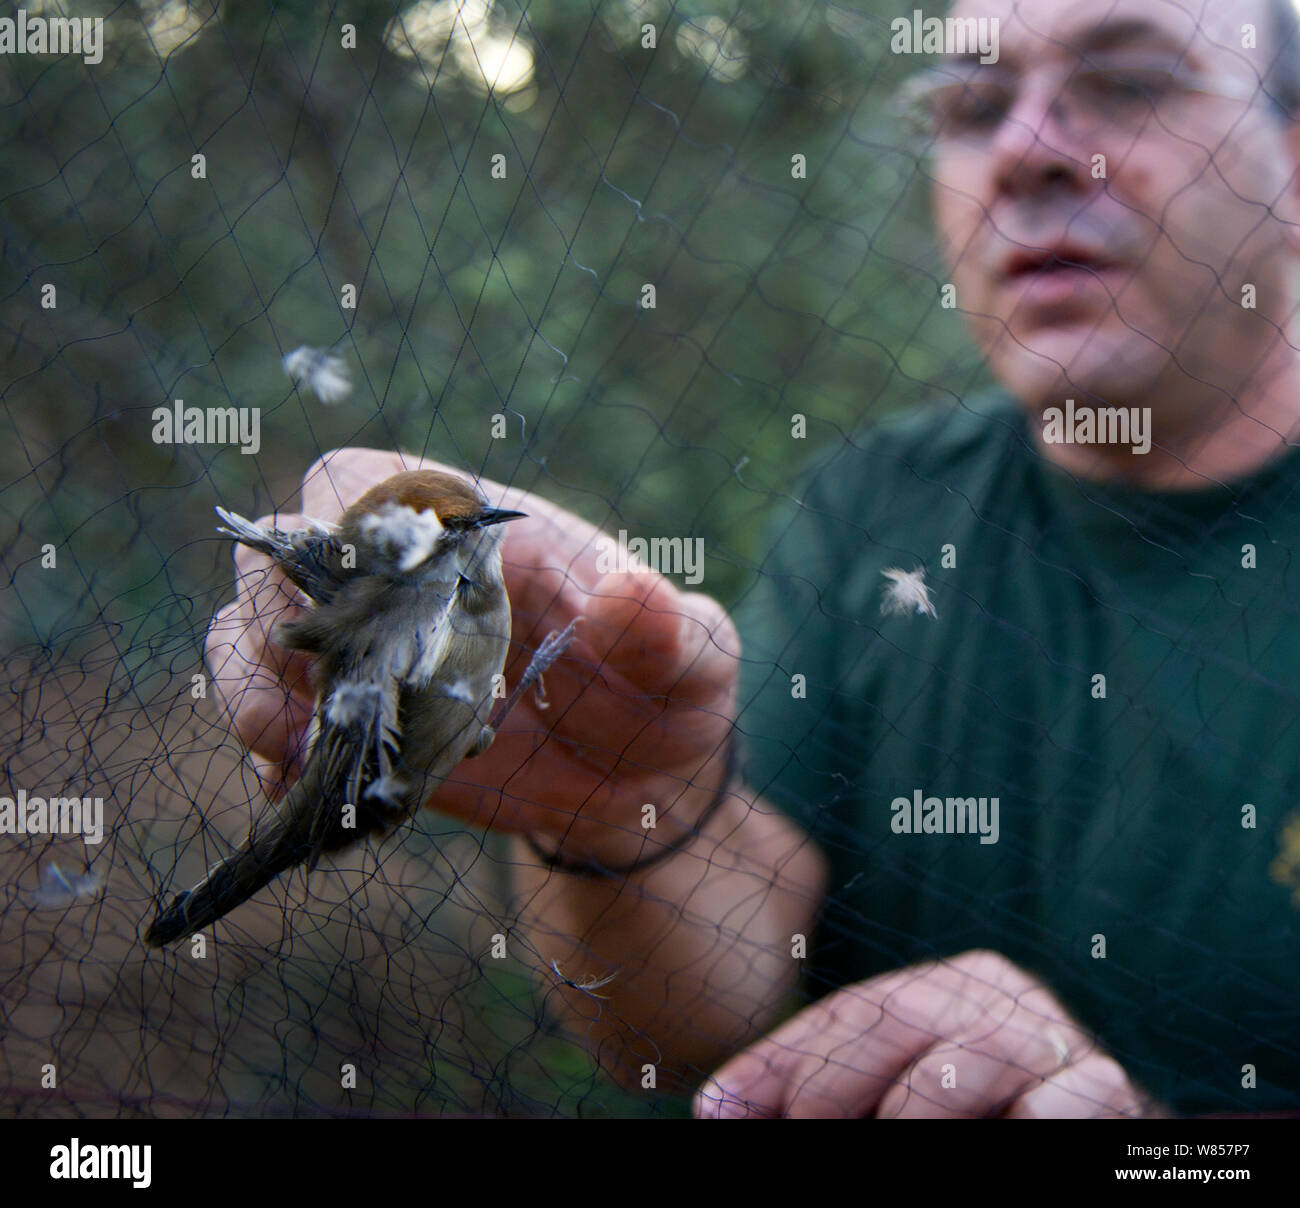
477	296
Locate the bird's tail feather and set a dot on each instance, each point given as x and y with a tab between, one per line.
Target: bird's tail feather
233	881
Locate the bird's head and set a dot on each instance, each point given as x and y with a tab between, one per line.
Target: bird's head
423	524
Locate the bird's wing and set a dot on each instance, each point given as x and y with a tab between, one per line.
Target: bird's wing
317	564
359	751
312	557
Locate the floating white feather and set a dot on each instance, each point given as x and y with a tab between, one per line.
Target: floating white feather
906	592
321	371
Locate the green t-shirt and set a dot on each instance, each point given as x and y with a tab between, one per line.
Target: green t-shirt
1123	817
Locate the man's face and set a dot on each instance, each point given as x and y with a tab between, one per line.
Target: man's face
1103	214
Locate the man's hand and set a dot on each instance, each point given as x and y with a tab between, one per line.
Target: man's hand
639	709
971	1036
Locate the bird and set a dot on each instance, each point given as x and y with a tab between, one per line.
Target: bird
410	625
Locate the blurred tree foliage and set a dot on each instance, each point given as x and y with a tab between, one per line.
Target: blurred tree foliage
372	165
477	296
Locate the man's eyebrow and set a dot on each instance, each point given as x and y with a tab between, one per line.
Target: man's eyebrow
1106	35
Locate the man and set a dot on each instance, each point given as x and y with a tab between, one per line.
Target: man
1087	642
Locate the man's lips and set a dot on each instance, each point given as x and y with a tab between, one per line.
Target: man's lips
1067	276
1063	259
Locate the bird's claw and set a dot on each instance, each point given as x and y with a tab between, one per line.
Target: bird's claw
553	645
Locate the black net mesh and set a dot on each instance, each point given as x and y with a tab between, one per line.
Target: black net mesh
431	229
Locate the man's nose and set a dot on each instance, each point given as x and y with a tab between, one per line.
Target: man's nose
1039	142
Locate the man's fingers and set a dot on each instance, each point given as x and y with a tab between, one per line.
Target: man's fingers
981	1032
634	621
978	1074
1096	1087
645	692
264	597
547	554
855	1075
340	477
821	1063
265	689
963	1037
661	639
639	636
797	1084
639	642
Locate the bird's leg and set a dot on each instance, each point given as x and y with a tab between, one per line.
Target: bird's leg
551	648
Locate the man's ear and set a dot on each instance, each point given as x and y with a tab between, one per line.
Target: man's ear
1289	203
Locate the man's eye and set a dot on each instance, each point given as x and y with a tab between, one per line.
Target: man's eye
1126	85
973	106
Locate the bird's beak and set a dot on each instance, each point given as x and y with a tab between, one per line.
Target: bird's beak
496	516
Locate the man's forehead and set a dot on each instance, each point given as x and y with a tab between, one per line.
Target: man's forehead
1029	30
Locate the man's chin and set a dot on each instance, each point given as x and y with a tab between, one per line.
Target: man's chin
1050	366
